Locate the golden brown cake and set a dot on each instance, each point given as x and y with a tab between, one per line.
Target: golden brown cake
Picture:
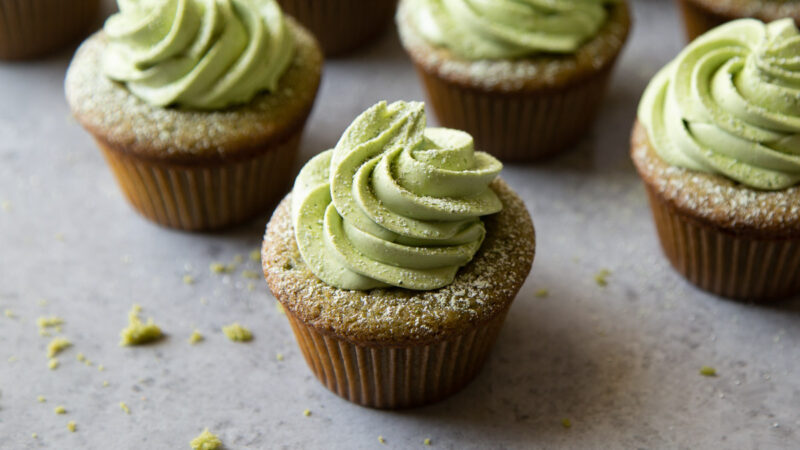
702	15
197	169
342	25
396	348
32	28
522	108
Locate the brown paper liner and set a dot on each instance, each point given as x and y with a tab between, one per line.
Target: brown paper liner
697	20
734	266
341	25
208	196
391	377
30	28
522	126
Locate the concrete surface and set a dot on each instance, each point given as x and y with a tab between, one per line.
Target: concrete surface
620	362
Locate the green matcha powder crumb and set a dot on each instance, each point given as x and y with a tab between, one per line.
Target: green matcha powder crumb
237	333
138	332
707	371
206	441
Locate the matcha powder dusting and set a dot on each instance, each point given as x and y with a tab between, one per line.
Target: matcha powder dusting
138	332
206	441
237	333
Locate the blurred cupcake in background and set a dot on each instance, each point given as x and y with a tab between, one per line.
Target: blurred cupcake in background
525	78
700	16
342	25
197	105
32	28
717	143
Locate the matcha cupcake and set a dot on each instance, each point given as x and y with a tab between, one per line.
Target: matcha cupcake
717	143
342	25
32	28
197	105
396	258
525	78
702	15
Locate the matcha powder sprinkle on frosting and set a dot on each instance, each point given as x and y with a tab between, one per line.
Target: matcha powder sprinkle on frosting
394	203
729	104
204	54
506	29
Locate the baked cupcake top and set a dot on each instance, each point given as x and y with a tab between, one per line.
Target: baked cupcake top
508	29
201	54
729	104
394	203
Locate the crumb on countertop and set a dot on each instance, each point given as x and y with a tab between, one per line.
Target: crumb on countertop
541	293
41	399
60	409
53	364
601	278
255	255
566	423
237	333
138	332
427	441
206	441
123	406
71	426
57	346
708	371
195	337
381	440
188	279
48	322
307	412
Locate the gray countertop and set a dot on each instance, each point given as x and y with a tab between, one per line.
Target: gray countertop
621	362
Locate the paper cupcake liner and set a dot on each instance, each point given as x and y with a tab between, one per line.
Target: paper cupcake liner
729	265
698	20
391	377
34	27
520	126
341	25
204	197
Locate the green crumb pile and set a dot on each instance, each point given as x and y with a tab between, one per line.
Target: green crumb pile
49	322
237	333
195	337
9	313
566	423
34	435
123	406
708	371
220	268
188	279
279	356
206	441
427	441
52	364
138	332
57	346
105	383
255	255
307	412
41	399
541	293
381	440
101	368
71	426
601	278
60	410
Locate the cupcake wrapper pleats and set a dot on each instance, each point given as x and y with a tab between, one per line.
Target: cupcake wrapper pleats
30	28
204	197
341	25
698	20
519	126
729	265
396	377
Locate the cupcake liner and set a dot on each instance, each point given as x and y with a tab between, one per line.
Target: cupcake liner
735	266
341	25
697	20
34	27
206	196
391	377
518	126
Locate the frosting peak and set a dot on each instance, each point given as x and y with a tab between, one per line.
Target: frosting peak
504	29
394	203
204	54
730	104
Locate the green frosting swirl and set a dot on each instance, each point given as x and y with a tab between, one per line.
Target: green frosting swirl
506	29
395	203
204	54
729	104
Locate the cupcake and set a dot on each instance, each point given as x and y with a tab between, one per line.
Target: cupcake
33	28
198	106
524	78
716	143
700	16
342	25
396	258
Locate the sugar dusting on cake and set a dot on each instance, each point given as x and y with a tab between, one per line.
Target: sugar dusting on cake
482	289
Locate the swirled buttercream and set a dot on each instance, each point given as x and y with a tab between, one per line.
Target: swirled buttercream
394	203
204	54
505	29
729	104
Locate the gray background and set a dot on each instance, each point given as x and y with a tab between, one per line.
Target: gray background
620	362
